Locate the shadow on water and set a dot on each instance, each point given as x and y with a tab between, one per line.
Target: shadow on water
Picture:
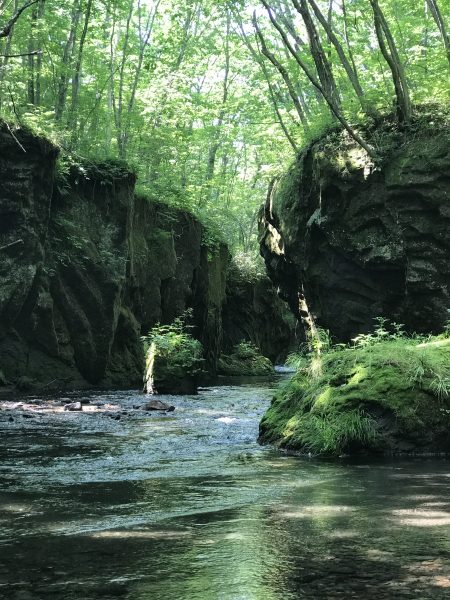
187	506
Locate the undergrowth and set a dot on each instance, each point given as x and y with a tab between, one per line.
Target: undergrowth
383	386
172	352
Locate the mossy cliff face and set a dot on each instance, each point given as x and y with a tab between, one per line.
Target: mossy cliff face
365	241
94	267
391	397
254	312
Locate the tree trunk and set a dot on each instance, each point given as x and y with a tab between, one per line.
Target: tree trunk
5	61
283	72
76	77
334	109
349	69
215	143
321	61
404	109
67	60
437	16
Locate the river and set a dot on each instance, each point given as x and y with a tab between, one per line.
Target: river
187	506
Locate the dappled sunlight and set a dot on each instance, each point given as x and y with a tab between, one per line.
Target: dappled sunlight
419	517
376	554
140	534
359	374
310	512
18	509
343	534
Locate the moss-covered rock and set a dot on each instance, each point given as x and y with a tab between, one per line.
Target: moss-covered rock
86	265
245	360
385	397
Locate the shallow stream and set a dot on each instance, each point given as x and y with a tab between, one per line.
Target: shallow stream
187	506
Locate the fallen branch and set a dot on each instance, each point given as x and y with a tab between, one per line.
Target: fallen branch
15	138
16	243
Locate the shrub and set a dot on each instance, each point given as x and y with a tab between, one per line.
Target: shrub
245	359
172	355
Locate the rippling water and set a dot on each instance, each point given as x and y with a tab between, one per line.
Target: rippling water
186	506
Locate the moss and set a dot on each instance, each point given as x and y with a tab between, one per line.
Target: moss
388	396
245	360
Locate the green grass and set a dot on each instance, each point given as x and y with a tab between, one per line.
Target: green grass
384	389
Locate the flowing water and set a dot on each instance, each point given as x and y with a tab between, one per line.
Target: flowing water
187	506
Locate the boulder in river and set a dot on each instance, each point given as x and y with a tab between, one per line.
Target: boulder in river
390	396
74	406
158	405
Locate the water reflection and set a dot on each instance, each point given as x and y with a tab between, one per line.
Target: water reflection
188	507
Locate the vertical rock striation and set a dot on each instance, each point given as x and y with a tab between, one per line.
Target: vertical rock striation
365	241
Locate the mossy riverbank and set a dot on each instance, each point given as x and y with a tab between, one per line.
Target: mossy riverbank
386	395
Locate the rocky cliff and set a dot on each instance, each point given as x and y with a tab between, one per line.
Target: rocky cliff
86	266
365	240
253	311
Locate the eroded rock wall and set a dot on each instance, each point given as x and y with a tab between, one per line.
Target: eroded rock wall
365	241
91	268
254	312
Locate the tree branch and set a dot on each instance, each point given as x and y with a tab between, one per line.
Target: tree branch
16	243
6	30
34	53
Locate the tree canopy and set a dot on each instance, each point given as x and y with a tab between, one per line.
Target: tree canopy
209	100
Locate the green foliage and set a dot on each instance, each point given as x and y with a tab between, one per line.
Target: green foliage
245	359
381	332
175	89
247	266
172	352
447	325
335	409
337	432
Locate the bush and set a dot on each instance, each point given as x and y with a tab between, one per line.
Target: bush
173	358
245	359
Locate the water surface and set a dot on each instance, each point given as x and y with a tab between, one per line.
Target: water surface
186	506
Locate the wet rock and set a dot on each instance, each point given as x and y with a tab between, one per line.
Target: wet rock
112	415
158	405
73	406
16	405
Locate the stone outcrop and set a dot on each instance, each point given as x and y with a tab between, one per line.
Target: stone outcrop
86	266
363	240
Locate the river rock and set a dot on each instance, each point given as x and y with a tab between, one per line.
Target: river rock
73	406
158	405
